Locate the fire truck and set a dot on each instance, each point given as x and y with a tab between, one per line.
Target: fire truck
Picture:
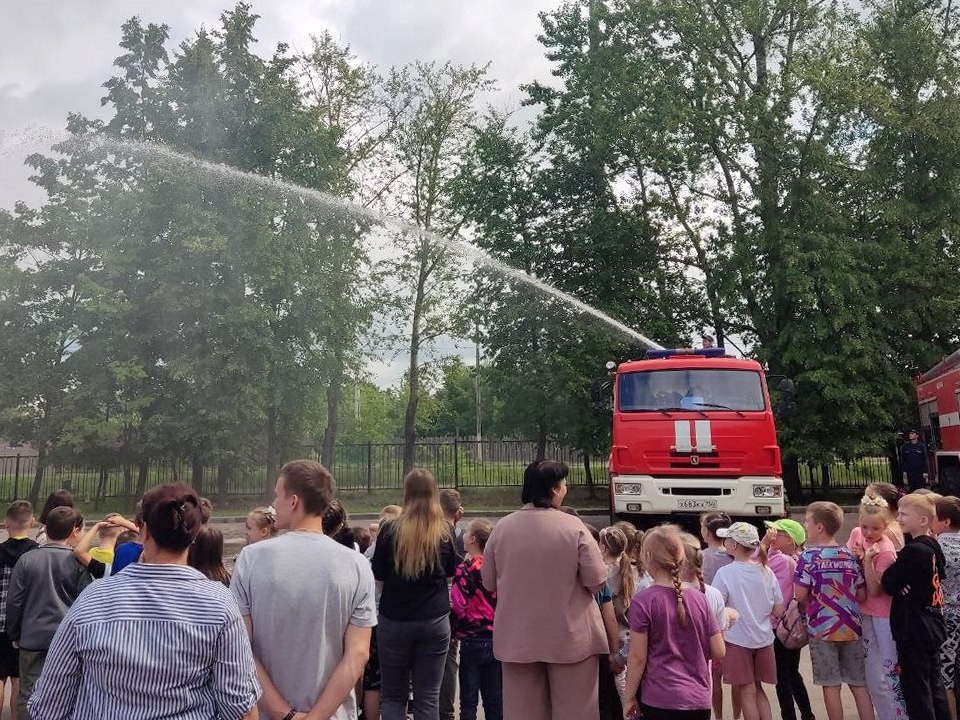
937	393
693	431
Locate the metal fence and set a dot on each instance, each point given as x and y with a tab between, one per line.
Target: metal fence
379	466
363	466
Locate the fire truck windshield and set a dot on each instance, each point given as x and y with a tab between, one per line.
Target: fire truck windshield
707	390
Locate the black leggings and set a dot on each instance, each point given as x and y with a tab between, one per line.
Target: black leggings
790	685
652	713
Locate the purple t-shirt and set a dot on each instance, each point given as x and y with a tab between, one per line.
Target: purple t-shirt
678	656
832	576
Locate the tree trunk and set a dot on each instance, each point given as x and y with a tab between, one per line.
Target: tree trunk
588	474
127	479
38	475
224	470
142	472
196	475
273	449
541	441
825	481
791	478
410	417
334	394
101	492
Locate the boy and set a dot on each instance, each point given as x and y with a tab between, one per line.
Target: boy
783	542
43	586
19	521
947	529
828	587
916	614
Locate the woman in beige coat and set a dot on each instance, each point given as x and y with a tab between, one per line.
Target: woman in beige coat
545	568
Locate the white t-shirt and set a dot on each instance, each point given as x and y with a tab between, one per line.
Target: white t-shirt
753	591
714	602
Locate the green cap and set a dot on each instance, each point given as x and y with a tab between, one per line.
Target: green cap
790	527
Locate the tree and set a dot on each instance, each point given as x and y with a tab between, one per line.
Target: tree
431	108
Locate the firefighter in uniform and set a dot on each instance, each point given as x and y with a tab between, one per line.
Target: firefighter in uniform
913	462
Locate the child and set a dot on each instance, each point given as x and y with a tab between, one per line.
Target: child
876	551
748	586
674	637
916	612
782	542
129	552
471	620
947	529
714	556
624	582
261	524
634	543
828	586
19	521
206	555
99	560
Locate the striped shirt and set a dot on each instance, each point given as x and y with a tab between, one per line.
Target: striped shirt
156	641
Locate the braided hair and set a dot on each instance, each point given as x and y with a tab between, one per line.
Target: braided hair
664	550
693	560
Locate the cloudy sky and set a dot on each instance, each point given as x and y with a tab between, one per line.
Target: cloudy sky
55	56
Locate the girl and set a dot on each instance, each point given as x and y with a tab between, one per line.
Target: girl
673	638
693	577
471	622
58	498
634	543
414	557
876	551
624	582
892	496
748	586
261	524
206	555
714	557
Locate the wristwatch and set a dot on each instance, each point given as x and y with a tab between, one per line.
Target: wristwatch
289	715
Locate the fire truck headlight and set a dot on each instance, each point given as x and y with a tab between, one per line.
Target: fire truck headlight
628	489
767	491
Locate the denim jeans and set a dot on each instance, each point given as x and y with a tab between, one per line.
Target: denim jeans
414	649
480	676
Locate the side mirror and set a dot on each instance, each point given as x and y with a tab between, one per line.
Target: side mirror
787	403
598	395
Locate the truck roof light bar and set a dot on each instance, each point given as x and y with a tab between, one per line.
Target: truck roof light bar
686	352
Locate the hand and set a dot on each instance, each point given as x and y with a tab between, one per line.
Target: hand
615	662
732	617
872	551
769	537
630	709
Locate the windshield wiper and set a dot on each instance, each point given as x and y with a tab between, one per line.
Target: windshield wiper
720	407
683	409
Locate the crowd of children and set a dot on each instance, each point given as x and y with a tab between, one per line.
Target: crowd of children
685	617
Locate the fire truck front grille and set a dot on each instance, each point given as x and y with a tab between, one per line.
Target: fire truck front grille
696	491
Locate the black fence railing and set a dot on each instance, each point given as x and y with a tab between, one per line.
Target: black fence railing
379	466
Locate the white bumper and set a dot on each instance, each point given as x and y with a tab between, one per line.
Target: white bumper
643	494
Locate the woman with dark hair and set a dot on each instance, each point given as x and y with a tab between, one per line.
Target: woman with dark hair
157	641
541	559
58	498
413	559
206	555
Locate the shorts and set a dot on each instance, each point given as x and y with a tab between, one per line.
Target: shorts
838	663
9	658
949	650
745	666
371	672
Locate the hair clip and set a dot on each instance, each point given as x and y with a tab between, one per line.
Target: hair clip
873	501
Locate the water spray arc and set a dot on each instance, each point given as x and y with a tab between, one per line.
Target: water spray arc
458	246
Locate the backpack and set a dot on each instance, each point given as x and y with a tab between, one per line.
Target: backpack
792	630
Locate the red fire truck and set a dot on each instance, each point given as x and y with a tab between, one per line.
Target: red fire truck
693	430
937	392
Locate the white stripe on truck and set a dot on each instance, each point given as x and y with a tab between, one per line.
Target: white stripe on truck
681	434
704	436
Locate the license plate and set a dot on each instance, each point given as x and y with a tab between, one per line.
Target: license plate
697	505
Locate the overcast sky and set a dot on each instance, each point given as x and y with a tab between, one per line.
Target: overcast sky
56	55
